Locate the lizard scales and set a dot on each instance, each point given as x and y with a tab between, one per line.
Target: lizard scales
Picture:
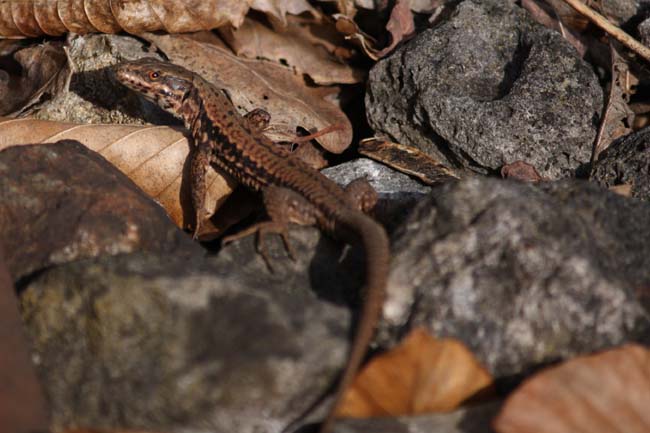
223	137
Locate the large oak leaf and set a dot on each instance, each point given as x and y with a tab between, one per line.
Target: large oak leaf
154	157
604	393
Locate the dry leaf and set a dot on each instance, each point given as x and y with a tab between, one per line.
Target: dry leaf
400	26
604	393
347	27
254	40
419	6
257	84
407	159
423	374
520	170
31	18
153	157
625	189
618	117
43	69
280	8
544	14
568	16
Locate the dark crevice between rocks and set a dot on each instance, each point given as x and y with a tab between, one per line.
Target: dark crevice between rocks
513	68
24	281
441	144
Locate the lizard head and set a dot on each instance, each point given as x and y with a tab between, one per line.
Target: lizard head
163	83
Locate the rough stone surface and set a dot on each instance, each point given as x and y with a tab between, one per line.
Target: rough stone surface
644	31
627	161
191	344
396	191
524	275
489	87
62	202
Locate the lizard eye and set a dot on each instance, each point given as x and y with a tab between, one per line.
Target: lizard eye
154	75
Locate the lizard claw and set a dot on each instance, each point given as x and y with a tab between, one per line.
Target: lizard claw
262	229
287	244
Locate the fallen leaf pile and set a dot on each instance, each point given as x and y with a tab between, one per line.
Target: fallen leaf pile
421	375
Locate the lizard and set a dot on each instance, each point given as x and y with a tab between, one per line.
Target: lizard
292	191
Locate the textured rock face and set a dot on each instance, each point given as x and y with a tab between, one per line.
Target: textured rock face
627	161
524	275
183	344
488	87
63	202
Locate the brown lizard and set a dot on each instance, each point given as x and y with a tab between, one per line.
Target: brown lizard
293	192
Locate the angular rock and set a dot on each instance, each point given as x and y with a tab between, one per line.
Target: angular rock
396	191
62	202
486	88
524	275
626	162
180	344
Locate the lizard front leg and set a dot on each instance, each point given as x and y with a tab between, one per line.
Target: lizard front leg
361	194
283	206
200	158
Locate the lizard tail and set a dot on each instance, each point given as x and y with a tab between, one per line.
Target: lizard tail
376	246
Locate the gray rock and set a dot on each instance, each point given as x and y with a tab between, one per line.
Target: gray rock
627	161
188	344
62	202
644	31
524	275
620	11
396	191
489	87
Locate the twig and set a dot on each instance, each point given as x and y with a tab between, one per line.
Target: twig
610	28
326	130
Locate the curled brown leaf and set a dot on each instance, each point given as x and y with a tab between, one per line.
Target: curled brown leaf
521	170
618	116
152	156
422	374
31	18
407	159
400	26
291	45
603	393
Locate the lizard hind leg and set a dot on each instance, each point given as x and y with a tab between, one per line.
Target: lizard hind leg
283	206
361	194
258	120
